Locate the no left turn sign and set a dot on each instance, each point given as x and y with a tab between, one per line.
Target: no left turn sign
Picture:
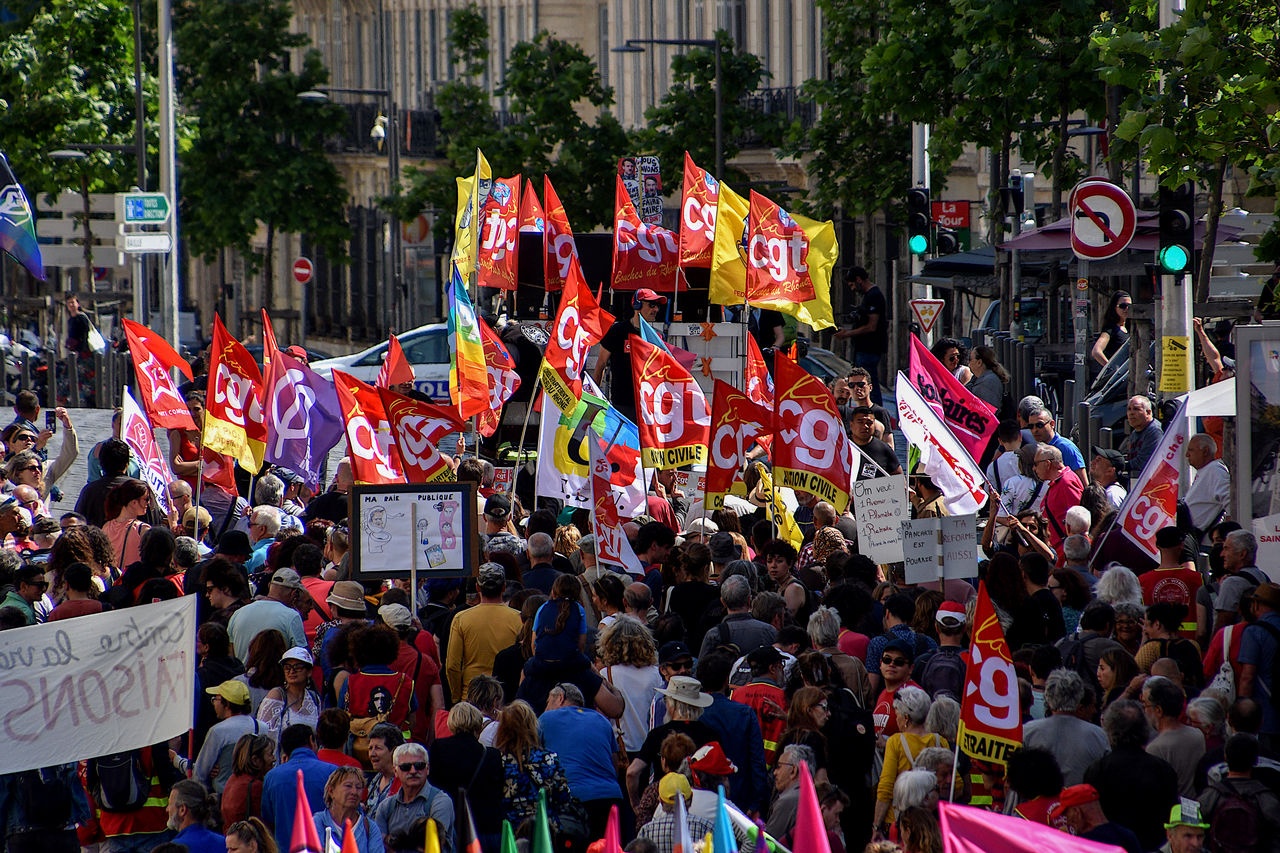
1103	220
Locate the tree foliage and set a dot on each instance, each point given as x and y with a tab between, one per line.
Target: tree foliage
258	155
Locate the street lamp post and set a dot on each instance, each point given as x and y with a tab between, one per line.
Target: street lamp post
635	46
392	274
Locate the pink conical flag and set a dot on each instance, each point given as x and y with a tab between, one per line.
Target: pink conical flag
810	832
612	833
304	839
969	830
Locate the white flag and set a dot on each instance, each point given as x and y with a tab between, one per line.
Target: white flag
942	456
136	431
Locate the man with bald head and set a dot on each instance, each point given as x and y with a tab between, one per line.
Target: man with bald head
1145	436
1210	489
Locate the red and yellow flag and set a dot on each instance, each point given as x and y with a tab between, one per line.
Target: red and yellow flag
269	345
500	235
234	421
152	359
698	216
671	409
580	324
417	428
643	255
728	267
503	379
370	444
559	250
991	710
789	262
811	447
396	369
737	423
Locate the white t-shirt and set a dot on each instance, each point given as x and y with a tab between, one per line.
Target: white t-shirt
636	684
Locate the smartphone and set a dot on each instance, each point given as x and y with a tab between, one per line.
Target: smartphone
50	421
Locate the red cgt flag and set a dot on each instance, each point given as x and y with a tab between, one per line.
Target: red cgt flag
777	248
673	418
234	420
152	359
269	345
500	235
811	447
560	252
418	428
737	422
503	379
991	710
643	255
580	325
698	216
396	369
531	216
370	446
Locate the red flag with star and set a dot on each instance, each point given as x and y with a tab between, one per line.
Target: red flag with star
152	358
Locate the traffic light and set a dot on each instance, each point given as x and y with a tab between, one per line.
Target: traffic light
1177	227
919	220
948	242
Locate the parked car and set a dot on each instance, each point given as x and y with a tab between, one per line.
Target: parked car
426	348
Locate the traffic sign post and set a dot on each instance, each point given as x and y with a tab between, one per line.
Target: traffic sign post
303	271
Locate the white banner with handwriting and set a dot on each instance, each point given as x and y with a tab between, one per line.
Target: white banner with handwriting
93	685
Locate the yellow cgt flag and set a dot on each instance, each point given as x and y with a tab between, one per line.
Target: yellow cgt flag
728	269
821	259
472	193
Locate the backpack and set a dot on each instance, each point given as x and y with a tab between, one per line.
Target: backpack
944	672
1075	659
1224	680
119	782
1183	652
1236	825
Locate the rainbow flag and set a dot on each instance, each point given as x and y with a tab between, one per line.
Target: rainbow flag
468	376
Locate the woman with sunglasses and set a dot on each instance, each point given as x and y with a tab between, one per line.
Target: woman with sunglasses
293	701
1114	328
947	351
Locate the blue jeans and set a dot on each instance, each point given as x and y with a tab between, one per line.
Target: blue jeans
871	361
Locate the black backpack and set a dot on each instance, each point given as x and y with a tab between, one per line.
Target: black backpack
944	672
118	782
1075	659
1236	825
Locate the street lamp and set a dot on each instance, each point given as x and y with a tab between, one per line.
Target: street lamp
635	46
384	127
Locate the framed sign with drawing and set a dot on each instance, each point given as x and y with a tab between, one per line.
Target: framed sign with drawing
415	529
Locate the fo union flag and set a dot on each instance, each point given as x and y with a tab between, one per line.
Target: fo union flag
500	235
698	216
579	325
418	428
643	255
370	446
736	423
811	447
673	418
991	711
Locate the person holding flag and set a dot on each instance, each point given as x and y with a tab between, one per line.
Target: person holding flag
646	306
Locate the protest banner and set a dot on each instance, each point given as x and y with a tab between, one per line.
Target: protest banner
939	548
95	685
880	506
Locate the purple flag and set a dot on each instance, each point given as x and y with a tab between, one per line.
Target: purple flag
304	420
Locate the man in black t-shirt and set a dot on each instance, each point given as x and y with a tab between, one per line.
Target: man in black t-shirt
870	332
615	346
768	327
860	385
875	451
78	327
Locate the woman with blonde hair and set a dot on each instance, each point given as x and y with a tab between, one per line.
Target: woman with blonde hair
566	540
528	768
343	800
630	659
462	761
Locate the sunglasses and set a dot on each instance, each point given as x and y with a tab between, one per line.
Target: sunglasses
1038	424
30	468
412	765
859	384
26	436
892	661
296	667
1124	305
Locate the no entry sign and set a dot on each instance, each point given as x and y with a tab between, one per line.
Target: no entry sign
303	270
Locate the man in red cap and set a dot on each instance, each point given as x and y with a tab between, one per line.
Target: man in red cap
1078	808
616	344
944	670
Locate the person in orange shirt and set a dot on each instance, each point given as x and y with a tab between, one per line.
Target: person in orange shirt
1175	580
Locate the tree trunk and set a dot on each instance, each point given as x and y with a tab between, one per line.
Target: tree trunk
1203	274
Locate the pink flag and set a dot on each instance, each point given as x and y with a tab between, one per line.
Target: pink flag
304	839
810	834
970	418
969	830
612	835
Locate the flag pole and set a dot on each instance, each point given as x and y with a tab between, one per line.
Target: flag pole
955	768
521	457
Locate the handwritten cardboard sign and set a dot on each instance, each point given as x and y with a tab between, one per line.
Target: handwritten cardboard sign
880	506
929	557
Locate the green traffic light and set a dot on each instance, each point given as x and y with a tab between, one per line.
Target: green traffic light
918	244
1174	259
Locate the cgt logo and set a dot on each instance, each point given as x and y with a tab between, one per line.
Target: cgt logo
729	444
372	445
648	243
562	250
815	430
231	391
500	235
574	340
699	215
663	405
417	437
783	259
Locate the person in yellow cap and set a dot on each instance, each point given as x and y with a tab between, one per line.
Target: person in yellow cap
232	705
662	830
1185	829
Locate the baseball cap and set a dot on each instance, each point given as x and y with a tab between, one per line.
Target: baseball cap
1115	457
298	653
195	512
950	614
673	650
700	525
644	294
297	352
491	575
497	507
899	645
1076	795
235	692
396	615
710	758
672	784
287	578
8	502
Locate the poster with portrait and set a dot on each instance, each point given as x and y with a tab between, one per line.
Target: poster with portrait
642	176
429	529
